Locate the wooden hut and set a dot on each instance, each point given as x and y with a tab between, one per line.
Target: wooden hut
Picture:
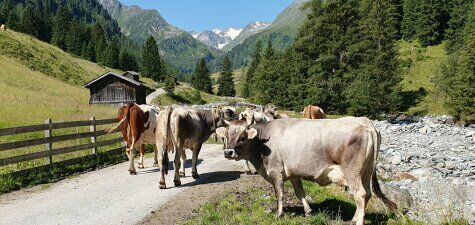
111	88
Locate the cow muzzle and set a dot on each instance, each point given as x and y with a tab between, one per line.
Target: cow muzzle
230	154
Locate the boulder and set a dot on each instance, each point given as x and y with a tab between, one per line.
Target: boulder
401	197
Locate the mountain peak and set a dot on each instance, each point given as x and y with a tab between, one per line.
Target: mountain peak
217	38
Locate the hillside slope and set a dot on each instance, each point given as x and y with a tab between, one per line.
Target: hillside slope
39	81
177	46
281	32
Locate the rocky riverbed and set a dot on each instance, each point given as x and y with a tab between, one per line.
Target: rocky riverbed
434	161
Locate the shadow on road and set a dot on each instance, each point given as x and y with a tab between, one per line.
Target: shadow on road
215	177
188	164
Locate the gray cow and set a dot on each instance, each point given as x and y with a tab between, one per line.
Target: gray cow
341	151
190	128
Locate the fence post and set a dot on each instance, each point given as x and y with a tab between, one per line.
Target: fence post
49	145
92	128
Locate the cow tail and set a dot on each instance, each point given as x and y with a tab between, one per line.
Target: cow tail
114	128
374	179
167	141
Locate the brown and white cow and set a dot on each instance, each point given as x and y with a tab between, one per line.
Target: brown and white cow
3	27
190	128
138	124
313	112
342	151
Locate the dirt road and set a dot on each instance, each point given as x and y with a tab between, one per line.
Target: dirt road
111	195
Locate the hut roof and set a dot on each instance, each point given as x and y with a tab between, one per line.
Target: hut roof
135	83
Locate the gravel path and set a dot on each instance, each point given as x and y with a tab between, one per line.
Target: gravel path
109	195
154	95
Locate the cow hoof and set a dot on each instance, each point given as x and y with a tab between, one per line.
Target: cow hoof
163	185
155	164
141	166
307	213
177	183
182	174
132	172
195	176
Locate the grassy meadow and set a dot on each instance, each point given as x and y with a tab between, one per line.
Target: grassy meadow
330	205
39	81
420	66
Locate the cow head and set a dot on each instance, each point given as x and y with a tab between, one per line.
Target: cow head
219	118
248	116
236	137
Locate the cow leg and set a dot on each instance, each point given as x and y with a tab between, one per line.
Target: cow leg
132	170
142	152
160	165
177	166
248	168
127	151
155	159
279	192
361	193
183	161
300	192
194	159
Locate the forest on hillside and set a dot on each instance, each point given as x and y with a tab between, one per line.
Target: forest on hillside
345	57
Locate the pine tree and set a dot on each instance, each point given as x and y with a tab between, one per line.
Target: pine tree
169	85
373	83
196	98
61	24
324	47
457	77
98	39
127	61
112	54
410	8
151	63
201	79
226	80
6	7
263	83
256	57
431	21
458	16
30	23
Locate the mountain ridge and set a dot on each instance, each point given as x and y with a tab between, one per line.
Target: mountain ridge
178	47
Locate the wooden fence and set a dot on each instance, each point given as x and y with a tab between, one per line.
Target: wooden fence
49	139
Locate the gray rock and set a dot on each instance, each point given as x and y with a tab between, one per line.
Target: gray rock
401	197
425	130
397	158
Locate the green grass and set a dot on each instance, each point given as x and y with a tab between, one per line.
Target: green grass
420	67
10	183
330	205
39	81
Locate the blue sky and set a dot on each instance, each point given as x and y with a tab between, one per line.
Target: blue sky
198	15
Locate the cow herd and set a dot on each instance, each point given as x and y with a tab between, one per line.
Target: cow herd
342	151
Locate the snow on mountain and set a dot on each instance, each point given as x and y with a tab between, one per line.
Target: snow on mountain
250	29
217	38
230	32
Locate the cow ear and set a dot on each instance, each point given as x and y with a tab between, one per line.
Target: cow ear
251	133
222	132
